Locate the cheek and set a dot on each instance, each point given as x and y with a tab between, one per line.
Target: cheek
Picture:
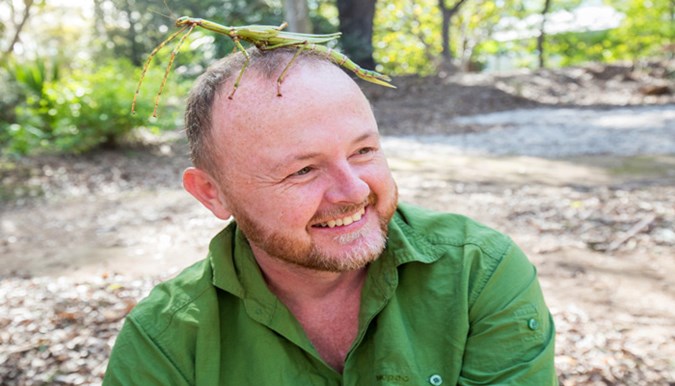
296	206
379	178
289	215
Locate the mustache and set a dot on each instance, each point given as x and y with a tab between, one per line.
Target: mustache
343	210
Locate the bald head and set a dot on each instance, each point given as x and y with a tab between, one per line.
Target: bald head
256	99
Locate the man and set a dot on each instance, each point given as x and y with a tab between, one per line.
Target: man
323	278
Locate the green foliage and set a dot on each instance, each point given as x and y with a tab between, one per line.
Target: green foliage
323	15
579	47
79	111
407	36
21	83
476	23
132	28
10	97
646	29
34	75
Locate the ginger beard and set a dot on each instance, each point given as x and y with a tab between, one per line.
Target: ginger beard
364	245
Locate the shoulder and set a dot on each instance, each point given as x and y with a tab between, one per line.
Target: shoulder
158	340
173	301
465	250
450	230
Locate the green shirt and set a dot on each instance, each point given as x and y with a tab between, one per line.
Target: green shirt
448	302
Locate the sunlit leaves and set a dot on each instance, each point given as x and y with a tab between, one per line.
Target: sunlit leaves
82	109
407	36
647	28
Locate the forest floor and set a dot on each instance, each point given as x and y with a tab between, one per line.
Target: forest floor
577	165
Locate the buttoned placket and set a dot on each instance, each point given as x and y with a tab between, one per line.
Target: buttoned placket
378	290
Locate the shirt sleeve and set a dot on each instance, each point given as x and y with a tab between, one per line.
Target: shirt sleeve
138	360
511	334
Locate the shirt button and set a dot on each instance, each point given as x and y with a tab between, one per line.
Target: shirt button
435	380
533	324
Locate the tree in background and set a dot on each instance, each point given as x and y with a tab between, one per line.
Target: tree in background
447	14
15	24
475	25
356	25
406	36
58	86
547	8
542	33
297	16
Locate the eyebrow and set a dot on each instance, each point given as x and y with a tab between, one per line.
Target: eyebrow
310	155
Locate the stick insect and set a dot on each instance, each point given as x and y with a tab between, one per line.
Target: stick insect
264	37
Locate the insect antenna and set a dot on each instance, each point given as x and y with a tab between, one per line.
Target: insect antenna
156	12
172	15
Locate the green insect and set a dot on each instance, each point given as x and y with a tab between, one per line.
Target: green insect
264	37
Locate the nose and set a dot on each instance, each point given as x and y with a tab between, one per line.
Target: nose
346	185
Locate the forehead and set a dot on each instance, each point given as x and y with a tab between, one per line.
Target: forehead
313	93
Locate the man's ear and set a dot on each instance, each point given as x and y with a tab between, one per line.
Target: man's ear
207	191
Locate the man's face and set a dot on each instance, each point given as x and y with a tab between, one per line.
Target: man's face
304	174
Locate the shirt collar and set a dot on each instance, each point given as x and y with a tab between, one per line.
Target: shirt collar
222	250
405	243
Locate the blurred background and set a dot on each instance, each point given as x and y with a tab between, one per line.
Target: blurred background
61	59
550	120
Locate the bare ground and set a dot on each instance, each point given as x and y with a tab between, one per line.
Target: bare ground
83	238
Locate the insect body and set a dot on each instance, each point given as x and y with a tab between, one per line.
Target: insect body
264	37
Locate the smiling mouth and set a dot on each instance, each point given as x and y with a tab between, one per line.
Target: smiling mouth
343	221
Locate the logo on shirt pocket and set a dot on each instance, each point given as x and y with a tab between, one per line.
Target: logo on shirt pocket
392	378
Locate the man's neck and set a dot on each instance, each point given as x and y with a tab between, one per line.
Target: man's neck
326	304
296	285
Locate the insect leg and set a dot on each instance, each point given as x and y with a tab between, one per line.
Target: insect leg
301	47
168	68
342	60
243	67
147	64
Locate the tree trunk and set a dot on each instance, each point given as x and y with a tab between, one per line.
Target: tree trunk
99	19
15	39
297	16
135	53
356	25
542	33
447	14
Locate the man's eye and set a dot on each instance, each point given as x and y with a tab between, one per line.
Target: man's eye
365	150
302	171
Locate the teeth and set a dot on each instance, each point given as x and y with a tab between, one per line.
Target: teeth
345	220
